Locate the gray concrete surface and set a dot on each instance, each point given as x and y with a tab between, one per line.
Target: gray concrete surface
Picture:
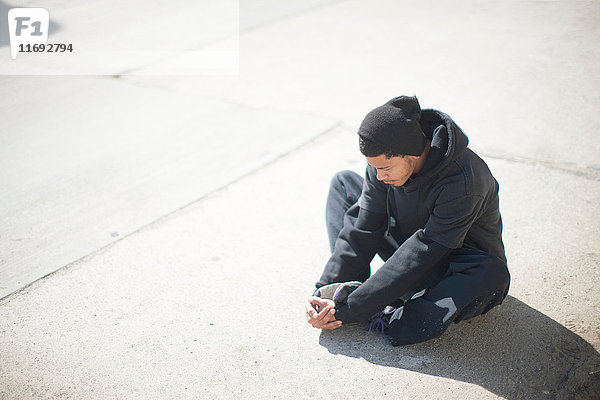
104	158
220	239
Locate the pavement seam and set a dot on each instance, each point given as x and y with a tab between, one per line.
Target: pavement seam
588	172
233	102
292	15
239	33
22	291
268	107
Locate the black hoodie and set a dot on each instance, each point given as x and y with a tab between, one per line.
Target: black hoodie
451	203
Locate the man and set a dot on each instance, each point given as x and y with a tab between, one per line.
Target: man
428	205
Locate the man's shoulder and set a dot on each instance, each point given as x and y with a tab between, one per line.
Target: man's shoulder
467	174
478	178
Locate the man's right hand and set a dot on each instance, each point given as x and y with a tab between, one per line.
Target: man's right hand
320	313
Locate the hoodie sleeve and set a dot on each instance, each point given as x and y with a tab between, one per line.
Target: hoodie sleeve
364	226
452	217
415	260
374	193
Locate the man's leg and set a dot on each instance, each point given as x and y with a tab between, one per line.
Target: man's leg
344	191
474	283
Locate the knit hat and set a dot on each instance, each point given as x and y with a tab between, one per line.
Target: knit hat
395	126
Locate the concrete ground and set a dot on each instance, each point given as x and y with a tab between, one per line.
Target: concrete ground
161	233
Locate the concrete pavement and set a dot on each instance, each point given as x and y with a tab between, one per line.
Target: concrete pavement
220	236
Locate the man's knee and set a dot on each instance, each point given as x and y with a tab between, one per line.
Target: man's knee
485	270
420	321
346	179
490	288
347	184
478	282
496	273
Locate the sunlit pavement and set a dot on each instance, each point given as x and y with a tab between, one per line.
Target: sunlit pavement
178	220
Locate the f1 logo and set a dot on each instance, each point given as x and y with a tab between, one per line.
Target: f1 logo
27	26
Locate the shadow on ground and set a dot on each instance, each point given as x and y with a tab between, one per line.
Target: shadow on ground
513	351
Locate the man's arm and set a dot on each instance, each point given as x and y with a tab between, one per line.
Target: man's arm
355	248
415	259
364	225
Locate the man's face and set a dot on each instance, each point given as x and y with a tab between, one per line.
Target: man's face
393	171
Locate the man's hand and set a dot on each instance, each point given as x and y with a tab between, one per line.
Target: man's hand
320	313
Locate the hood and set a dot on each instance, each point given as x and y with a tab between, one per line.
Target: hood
448	142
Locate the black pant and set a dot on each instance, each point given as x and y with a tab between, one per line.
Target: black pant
470	283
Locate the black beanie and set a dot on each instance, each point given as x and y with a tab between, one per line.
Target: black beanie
395	126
